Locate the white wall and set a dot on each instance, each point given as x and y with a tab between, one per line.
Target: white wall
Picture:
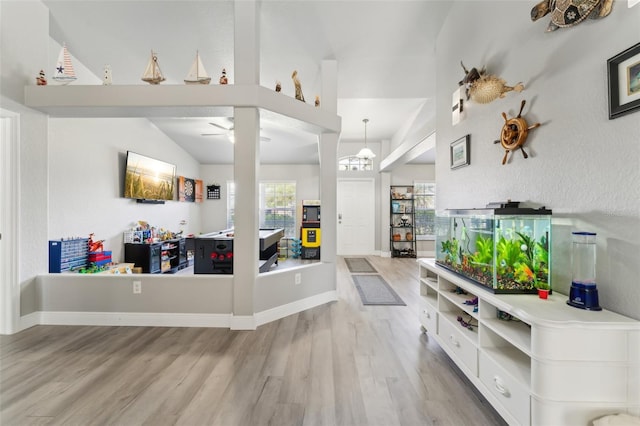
86	177
24	34
581	164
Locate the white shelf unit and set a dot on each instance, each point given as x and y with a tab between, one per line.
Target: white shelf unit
538	362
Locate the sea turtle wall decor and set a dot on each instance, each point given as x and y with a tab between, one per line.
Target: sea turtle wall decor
483	88
514	133
567	13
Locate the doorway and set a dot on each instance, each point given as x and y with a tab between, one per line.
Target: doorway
356	217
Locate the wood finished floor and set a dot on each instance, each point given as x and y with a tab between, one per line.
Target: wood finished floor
337	364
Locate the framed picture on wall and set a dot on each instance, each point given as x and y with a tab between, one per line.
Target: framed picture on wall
623	71
460	152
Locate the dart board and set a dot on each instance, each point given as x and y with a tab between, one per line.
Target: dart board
187	189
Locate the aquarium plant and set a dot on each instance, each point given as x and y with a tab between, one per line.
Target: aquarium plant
450	250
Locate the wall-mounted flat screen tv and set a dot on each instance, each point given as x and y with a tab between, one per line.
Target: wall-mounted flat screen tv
148	179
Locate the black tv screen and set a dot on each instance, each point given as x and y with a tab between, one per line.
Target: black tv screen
148	179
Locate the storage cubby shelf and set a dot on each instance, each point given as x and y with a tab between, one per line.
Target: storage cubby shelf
518	333
514	361
178	101
535	367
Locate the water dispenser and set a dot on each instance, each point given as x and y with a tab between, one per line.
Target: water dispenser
583	293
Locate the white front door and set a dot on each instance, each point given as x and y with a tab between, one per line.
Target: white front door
356	216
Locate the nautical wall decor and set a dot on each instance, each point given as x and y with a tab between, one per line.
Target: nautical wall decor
41	80
514	133
152	73
64	72
483	88
298	86
223	77
197	74
567	13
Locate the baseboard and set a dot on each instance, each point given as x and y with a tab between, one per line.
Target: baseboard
279	312
30	320
136	319
242	322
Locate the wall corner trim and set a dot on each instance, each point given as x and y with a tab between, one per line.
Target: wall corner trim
279	312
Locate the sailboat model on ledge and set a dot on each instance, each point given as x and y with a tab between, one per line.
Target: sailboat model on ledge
152	73
197	73
64	72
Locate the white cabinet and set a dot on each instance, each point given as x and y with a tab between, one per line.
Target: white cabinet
538	362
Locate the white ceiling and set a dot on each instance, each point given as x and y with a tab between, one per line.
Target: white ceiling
384	51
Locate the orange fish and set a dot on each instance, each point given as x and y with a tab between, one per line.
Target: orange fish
527	271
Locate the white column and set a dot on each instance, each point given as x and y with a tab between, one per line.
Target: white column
9	217
385	204
246	165
328	151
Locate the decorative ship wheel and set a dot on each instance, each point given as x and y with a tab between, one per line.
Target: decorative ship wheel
514	133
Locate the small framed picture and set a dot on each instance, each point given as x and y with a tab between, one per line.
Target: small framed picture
460	152
623	71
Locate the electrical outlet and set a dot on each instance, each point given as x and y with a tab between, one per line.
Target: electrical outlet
137	287
298	278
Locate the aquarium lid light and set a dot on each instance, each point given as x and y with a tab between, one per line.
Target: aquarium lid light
503	204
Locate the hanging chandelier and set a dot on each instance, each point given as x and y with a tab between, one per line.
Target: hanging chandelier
365	152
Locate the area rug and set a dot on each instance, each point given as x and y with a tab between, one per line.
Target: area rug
374	290
359	265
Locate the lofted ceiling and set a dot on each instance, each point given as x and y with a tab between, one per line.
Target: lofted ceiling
384	50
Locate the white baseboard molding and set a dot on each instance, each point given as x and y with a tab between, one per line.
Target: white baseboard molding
29	320
243	322
279	312
138	319
152	319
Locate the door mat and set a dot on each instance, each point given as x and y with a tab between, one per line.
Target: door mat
359	265
374	290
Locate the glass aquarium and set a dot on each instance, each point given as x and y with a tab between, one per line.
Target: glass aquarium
506	250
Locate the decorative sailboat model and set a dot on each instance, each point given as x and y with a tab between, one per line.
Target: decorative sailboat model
152	73
197	73
64	72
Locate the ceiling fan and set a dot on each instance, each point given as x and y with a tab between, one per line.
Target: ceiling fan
228	131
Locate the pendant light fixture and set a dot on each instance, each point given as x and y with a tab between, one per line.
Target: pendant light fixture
365	152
